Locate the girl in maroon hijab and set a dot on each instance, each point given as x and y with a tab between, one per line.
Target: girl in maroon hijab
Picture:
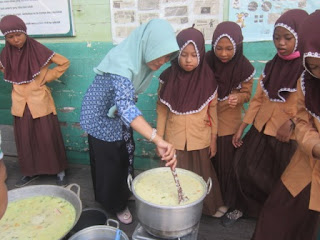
269	145
234	74
187	115
292	209
25	64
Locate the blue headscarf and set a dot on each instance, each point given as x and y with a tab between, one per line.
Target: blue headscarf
146	43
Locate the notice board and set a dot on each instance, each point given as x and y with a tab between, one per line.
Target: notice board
44	18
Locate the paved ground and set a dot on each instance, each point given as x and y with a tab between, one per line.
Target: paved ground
210	228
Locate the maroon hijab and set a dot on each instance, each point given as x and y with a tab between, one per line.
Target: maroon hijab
310	47
280	76
188	92
21	65
229	75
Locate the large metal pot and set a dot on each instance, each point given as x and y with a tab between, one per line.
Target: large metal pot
169	222
50	190
101	232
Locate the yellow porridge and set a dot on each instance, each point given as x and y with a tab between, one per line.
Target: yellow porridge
37	218
159	188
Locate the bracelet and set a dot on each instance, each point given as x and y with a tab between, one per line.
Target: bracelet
153	134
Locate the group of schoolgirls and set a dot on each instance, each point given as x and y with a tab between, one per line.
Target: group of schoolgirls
273	173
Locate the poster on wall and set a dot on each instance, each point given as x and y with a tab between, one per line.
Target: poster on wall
126	15
44	18
257	17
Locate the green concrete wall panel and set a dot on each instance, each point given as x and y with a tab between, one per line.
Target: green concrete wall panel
92	22
68	92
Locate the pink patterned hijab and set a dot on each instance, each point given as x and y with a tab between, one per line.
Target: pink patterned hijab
21	65
281	74
229	75
310	47
188	92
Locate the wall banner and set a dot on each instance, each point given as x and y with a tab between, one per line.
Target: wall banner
44	18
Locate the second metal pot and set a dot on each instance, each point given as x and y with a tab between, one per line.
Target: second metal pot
101	232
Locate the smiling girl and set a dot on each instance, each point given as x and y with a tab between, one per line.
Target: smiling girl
187	114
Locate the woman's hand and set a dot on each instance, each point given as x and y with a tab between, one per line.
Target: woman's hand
233	100
284	132
164	149
166	152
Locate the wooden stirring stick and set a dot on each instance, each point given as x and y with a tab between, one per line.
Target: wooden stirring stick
181	196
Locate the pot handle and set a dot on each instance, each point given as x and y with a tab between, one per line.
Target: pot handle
129	182
112	221
77	191
209	185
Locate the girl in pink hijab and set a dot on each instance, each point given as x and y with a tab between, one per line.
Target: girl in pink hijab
293	207
268	146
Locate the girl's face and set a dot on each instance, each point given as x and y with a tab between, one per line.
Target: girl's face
224	50
313	65
284	41
155	64
16	39
188	59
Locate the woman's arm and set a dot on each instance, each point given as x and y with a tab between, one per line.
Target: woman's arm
165	149
131	116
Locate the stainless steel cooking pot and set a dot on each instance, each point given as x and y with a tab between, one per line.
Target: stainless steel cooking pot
50	190
169	222
101	232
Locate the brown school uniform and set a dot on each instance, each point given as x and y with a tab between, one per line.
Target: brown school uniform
37	97
292	209
229	119
260	161
191	136
234	77
33	101
187	114
190	132
37	131
262	158
304	168
268	116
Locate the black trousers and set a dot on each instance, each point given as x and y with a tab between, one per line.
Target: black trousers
109	169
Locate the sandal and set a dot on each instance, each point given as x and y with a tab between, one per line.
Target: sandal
231	218
220	212
125	216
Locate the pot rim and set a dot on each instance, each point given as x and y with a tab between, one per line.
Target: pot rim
107	226
204	184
